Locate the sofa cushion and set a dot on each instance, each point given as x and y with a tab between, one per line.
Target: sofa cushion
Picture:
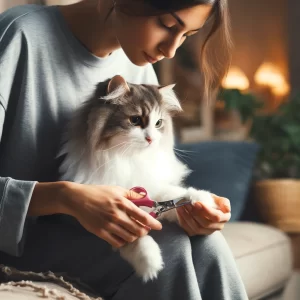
263	255
223	168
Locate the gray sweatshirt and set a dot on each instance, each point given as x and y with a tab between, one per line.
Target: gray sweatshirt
45	73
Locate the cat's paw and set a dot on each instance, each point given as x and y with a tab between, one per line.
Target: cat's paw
149	259
202	196
145	256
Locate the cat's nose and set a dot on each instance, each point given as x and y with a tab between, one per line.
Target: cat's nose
148	139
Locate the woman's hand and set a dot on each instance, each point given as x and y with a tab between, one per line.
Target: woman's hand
105	211
200	219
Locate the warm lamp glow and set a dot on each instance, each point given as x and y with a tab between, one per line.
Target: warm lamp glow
269	75
281	90
235	79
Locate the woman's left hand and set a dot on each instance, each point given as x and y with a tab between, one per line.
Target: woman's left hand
200	219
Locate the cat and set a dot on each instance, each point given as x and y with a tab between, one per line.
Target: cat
123	135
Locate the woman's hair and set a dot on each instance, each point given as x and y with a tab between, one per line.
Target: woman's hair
214	65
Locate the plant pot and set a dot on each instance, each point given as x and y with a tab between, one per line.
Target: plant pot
278	202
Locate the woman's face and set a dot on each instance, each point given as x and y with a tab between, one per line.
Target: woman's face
149	39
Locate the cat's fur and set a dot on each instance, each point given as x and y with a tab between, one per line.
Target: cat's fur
103	147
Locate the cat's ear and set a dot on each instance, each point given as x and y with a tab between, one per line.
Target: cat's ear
169	97
163	88
117	83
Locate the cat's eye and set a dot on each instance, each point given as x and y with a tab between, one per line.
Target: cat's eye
159	123
135	120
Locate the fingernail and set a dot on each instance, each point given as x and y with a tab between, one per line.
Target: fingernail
147	227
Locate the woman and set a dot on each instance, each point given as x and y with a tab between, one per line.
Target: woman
50	60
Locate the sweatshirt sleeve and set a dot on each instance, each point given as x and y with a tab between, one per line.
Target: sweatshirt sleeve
15	195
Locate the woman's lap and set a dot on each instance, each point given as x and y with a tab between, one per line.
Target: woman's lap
67	248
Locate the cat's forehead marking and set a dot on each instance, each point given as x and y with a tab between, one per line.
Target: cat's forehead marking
146	108
148	98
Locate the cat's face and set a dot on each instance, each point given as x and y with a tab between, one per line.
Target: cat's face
141	128
131	117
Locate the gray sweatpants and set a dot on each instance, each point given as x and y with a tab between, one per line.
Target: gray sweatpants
196	268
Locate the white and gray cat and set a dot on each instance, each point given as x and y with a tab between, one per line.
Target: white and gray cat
123	136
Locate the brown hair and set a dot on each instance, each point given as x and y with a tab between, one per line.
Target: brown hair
213	65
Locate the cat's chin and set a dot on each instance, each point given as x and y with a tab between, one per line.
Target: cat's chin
142	149
149	147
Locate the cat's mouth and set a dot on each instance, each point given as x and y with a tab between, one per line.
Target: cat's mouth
145	145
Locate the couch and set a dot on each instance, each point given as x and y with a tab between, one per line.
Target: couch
262	253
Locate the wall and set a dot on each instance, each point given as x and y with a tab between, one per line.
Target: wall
294	42
260	32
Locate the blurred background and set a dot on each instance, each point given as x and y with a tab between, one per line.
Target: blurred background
244	143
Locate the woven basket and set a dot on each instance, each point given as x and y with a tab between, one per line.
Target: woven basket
278	202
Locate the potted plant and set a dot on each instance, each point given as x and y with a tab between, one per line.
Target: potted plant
238	109
277	173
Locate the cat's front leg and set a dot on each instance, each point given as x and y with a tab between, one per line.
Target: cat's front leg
194	195
202	196
145	256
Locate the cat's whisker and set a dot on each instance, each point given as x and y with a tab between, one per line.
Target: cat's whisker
184	155
108	161
123	154
183	158
114	146
120	155
185	151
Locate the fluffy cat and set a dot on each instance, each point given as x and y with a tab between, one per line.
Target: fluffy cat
123	136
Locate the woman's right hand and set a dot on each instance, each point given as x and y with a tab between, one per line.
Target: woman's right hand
105	211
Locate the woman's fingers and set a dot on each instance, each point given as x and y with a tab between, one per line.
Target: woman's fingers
190	225
204	222
183	217
121	232
113	240
142	216
212	214
222	203
133	226
200	218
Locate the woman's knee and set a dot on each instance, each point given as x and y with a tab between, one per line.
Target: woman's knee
173	241
212	247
